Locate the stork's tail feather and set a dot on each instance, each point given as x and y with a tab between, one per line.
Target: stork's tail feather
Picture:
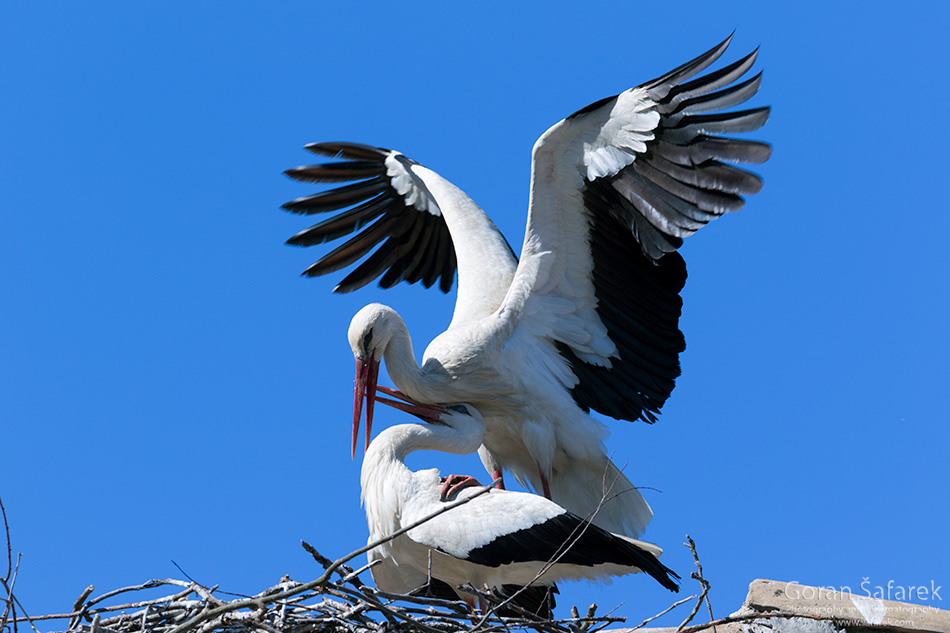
602	493
645	556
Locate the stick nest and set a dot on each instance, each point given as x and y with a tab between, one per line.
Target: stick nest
336	602
340	604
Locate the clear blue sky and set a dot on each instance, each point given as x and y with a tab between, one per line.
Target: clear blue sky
171	389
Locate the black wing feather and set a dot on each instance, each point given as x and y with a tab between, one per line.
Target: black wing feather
727	98
662	85
355	247
337	172
413	244
689	127
335	198
706	148
342	224
413	270
389	255
694	90
349	151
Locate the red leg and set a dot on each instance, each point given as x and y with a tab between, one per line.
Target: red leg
452	484
499	477
545	486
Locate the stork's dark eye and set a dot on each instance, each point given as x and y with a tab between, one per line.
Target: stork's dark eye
459	408
367	340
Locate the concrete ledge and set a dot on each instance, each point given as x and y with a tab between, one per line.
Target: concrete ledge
782	607
844	609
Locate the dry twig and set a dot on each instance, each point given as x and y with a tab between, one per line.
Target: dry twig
697	575
9	579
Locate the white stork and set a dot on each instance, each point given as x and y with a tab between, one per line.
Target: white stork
587	318
495	539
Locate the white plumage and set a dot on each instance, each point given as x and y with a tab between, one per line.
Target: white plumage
496	539
587	318
571	451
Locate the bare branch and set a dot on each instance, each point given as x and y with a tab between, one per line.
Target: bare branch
6	529
663	612
77	605
705	583
8	606
692	548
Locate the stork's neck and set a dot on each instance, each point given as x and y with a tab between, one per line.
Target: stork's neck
385	478
397	442
404	369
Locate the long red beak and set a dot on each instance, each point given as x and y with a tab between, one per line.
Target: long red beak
431	413
367	373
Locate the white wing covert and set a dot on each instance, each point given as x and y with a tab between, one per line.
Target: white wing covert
486	519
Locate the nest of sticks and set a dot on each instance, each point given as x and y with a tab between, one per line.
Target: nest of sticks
336	602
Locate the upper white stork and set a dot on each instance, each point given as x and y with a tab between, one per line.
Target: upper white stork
495	539
587	318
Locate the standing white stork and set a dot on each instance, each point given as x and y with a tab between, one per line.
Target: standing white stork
495	539
588	317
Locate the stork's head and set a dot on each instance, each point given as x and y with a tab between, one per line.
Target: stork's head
371	331
369	335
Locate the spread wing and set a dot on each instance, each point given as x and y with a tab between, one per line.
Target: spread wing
422	227
615	188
